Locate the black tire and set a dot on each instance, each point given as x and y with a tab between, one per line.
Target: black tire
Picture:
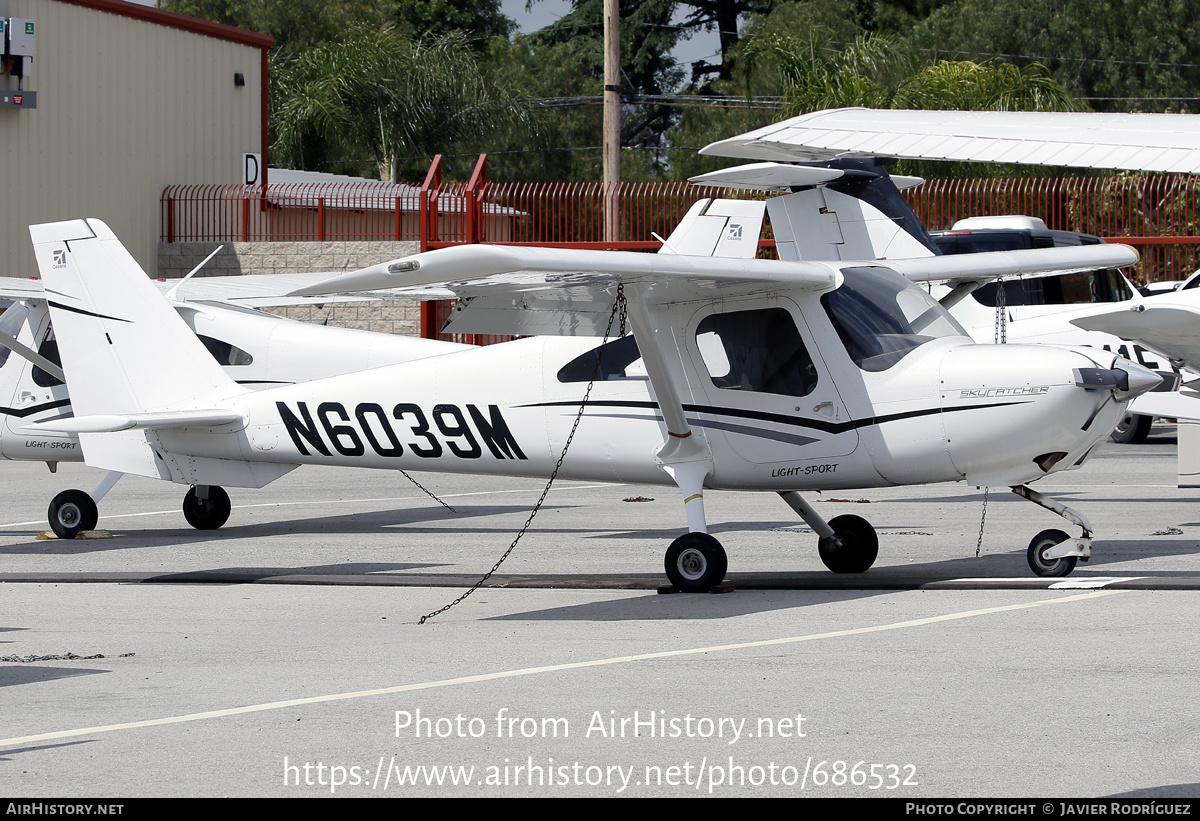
72	512
207	514
1042	566
1132	430
853	547
695	562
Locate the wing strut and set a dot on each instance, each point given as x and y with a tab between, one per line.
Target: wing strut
685	455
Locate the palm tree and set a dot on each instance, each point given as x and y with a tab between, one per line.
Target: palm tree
879	71
380	95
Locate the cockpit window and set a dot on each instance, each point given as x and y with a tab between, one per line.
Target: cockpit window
615	360
757	351
49	350
881	317
10	324
225	353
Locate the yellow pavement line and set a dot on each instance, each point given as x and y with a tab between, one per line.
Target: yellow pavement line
554	668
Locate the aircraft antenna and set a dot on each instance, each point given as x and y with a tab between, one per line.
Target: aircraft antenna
170	295
618	310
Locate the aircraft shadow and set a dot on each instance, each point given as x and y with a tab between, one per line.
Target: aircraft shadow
655	607
1164	791
10	676
369	523
246	575
39	748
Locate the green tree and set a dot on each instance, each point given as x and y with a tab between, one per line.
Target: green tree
1117	55
647	67
378	95
562	138
296	25
480	20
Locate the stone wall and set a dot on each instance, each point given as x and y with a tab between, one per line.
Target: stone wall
238	258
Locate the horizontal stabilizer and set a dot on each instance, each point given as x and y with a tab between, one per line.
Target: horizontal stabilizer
110	423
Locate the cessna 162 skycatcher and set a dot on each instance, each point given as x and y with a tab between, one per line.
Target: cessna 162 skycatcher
257	350
777	375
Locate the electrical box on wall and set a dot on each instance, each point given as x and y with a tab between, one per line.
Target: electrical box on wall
18	35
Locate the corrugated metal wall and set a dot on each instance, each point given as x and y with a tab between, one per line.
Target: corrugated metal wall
125	107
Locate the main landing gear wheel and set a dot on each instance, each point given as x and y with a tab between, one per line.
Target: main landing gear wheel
72	512
695	562
207	514
1040	563
853	546
1132	429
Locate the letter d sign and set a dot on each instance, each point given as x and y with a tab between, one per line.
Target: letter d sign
251	169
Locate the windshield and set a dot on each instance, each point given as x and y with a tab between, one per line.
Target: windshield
880	317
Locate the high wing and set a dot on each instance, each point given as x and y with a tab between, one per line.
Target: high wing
507	289
556	291
1168	324
1132	142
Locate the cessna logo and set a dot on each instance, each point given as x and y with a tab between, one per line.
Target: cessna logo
372	426
735	231
60	258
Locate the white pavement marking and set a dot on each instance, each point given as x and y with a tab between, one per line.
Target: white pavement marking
555	668
336	502
1086	583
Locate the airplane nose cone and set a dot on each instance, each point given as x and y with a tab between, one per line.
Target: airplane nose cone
1137	380
1125	379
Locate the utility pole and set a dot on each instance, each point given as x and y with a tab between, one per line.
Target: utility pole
612	118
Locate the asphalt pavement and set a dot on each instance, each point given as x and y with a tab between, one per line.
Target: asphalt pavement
282	655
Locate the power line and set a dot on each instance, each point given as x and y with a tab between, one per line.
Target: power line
1037	57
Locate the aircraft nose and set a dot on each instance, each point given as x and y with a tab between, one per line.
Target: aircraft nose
1125	379
1138	379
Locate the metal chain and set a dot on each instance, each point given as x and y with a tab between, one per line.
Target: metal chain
619	307
982	519
1001	313
427	491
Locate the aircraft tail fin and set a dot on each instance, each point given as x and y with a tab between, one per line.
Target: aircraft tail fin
123	348
718	228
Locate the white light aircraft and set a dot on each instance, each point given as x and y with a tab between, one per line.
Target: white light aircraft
773	375
257	349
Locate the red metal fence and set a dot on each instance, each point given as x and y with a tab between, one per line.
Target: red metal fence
1157	213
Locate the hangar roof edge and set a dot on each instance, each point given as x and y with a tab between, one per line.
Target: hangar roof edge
179	21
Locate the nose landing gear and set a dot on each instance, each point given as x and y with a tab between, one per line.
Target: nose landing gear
1052	552
1041	556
